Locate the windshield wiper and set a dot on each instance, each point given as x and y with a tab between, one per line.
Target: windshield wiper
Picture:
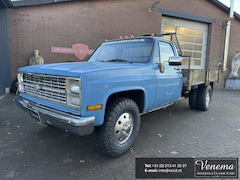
117	60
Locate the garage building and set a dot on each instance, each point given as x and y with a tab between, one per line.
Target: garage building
66	30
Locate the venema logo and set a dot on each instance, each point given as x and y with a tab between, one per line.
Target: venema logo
216	167
204	165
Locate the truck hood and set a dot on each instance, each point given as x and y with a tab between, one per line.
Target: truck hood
75	69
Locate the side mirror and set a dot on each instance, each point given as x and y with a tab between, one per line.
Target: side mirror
175	61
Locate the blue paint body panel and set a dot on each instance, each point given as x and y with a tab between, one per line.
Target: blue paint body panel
100	79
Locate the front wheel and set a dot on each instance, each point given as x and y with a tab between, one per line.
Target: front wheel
204	97
120	129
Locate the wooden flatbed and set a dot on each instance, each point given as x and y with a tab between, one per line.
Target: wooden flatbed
195	77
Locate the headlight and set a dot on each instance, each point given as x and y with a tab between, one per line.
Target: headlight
20	82
73	89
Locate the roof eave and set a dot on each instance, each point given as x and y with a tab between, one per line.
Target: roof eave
7	3
38	2
224	8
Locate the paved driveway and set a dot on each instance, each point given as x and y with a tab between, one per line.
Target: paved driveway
32	151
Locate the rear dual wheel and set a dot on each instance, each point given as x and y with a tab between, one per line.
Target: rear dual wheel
200	98
192	98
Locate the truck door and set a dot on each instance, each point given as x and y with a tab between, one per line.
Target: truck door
168	78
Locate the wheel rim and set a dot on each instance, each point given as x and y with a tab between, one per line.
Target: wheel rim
208	98
124	128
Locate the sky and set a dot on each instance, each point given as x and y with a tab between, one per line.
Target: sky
236	4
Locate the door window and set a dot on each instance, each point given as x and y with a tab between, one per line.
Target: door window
166	51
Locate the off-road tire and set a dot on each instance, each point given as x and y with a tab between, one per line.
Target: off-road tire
204	97
120	111
192	99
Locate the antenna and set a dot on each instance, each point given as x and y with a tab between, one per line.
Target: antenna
153	5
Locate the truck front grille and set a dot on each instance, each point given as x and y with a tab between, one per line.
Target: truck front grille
46	87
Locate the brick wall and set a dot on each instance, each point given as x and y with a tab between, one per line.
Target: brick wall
65	24
91	22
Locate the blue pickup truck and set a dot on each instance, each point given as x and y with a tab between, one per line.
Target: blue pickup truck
122	80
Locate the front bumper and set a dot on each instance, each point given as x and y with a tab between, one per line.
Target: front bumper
71	123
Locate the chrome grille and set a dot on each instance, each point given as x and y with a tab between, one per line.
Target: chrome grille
50	88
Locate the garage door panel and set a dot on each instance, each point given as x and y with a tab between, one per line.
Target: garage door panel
192	37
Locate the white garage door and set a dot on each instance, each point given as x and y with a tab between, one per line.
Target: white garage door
192	37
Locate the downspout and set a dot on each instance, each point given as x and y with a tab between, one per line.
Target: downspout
227	36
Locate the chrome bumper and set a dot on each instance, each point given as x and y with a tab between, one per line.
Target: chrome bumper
71	123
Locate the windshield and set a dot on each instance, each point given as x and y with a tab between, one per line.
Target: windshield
126	50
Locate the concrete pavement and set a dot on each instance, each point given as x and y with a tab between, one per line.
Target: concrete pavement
32	151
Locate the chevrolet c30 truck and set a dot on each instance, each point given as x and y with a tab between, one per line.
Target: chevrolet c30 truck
122	80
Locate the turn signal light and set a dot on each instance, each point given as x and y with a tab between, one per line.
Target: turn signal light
130	36
94	107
